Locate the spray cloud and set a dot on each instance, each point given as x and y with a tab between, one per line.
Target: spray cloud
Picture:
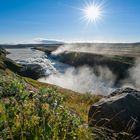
134	73
84	80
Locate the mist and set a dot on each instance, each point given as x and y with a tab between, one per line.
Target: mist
98	48
95	80
77	47
134	73
84	80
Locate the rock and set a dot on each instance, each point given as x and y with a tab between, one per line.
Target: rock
6	63
10	64
120	112
33	71
2	51
103	133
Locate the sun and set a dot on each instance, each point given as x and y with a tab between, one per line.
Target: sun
92	12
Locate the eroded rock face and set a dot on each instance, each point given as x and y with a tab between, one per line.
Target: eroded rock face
33	71
120	111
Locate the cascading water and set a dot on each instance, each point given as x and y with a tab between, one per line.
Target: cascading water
29	56
81	79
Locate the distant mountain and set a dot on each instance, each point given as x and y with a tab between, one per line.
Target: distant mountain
37	43
49	42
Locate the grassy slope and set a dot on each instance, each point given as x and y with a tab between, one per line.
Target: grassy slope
77	102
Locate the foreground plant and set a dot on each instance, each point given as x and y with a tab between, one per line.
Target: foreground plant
26	114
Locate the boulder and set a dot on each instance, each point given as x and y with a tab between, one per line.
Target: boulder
33	71
120	112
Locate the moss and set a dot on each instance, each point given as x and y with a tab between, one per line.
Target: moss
123	59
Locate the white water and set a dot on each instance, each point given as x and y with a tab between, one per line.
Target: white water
29	56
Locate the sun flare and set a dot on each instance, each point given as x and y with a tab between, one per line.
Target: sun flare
92	12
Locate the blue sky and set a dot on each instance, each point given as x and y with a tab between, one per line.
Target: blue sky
23	21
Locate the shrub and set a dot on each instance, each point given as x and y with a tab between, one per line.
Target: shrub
29	115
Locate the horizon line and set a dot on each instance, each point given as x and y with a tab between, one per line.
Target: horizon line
72	42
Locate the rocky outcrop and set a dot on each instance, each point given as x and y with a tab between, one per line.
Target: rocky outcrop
6	63
33	71
120	112
2	51
118	65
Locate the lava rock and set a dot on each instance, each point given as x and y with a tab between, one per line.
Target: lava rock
33	71
120	112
